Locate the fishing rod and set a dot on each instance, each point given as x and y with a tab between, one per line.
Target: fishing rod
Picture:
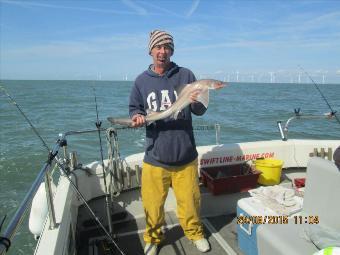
107	200
4	240
332	113
62	168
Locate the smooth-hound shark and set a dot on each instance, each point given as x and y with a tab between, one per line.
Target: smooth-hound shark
201	87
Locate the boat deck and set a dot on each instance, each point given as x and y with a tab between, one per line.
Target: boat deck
220	231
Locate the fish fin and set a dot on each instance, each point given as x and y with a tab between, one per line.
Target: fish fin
120	121
150	122
175	115
150	112
111	119
204	98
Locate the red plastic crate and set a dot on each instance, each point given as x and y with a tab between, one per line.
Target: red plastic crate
230	178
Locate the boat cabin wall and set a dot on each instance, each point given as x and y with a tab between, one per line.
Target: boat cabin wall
294	153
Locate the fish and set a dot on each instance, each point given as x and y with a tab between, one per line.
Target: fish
183	100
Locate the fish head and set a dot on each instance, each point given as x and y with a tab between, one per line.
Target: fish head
212	84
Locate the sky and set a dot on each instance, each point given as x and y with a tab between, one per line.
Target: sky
254	41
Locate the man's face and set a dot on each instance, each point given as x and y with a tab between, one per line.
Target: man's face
161	55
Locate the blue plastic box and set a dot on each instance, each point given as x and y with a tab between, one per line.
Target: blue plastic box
246	233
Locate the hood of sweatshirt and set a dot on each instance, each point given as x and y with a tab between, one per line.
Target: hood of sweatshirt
171	71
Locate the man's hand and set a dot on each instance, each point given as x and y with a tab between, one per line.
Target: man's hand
138	120
194	95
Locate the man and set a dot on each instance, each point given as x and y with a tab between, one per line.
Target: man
336	157
170	155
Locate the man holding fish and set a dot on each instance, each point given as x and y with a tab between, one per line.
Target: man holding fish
163	98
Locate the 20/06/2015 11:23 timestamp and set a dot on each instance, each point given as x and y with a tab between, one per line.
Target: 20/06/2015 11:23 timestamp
277	219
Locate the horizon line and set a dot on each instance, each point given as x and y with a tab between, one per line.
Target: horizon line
240	82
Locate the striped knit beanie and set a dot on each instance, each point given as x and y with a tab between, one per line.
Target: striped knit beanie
158	37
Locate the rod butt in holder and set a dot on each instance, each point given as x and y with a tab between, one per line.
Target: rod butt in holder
282	133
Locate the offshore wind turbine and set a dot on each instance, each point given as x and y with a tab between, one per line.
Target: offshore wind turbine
252	78
237	72
324	76
272	77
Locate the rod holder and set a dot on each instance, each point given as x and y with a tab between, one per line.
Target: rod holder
217	133
128	177
73	160
138	174
282	133
120	168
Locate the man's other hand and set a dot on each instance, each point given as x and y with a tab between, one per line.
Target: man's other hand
138	120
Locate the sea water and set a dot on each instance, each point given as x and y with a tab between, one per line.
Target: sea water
244	111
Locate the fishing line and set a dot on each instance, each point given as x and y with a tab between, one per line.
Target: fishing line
333	113
61	167
2	222
98	124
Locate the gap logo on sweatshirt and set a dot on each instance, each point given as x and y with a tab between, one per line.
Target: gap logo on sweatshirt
165	101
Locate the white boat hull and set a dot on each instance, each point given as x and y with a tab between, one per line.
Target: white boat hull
294	153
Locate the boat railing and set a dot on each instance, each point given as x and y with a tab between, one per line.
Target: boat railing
284	130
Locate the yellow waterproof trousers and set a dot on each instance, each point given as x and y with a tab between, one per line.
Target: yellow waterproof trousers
155	185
